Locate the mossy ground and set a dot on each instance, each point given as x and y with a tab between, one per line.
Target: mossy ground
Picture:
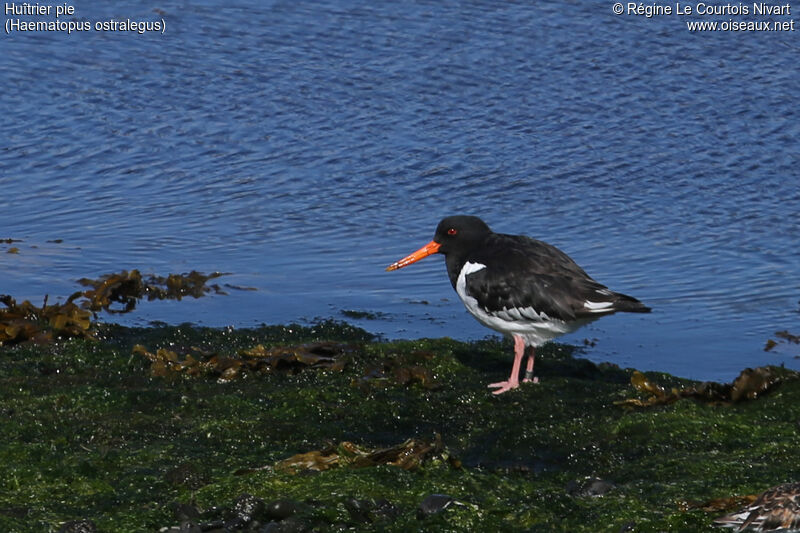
86	432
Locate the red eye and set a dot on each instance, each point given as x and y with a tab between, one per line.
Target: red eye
452	231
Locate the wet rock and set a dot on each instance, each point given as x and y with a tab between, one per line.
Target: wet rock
360	510
291	525
78	526
246	510
282	509
384	509
433	504
591	487
187	526
598	487
190	527
247	513
217	527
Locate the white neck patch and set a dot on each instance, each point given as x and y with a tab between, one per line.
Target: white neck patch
461	285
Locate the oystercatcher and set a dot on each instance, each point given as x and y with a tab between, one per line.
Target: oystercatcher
519	286
777	509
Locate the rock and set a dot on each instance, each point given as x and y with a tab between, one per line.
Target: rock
384	509
289	525
359	510
590	487
435	503
246	510
282	509
83	525
248	507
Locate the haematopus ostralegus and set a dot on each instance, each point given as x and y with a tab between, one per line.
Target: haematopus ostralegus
777	509
518	286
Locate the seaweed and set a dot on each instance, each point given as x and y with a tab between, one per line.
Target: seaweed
752	383
89	435
785	338
127	288
402	369
258	359
27	322
408	455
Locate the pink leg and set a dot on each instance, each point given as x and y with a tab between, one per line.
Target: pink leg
513	380
529	377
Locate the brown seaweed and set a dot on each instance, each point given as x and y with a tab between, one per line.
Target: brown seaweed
290	359
403	370
127	288
718	504
752	383
25	321
785	335
408	455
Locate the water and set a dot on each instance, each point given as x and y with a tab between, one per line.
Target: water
303	147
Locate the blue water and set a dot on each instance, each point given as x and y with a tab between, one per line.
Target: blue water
303	147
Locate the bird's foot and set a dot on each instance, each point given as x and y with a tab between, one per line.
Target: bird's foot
503	386
530	378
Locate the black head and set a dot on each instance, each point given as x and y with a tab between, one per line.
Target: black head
460	232
455	235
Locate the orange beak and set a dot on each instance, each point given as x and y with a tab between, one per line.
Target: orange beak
430	248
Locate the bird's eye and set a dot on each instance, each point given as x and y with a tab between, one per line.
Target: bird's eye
452	231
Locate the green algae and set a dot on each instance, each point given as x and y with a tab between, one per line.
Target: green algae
87	432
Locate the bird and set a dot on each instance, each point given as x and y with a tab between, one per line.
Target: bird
777	509
519	286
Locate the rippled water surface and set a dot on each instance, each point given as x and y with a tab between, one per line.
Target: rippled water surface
302	147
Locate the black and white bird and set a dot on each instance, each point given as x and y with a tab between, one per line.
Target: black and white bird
777	509
521	287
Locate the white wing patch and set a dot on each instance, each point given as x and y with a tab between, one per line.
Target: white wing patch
598	307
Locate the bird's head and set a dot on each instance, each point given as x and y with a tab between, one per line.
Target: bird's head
453	234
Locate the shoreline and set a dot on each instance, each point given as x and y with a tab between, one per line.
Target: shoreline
91	434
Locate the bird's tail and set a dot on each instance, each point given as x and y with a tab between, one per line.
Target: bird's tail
629	304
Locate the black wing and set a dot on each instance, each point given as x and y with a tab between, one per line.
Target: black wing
525	273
